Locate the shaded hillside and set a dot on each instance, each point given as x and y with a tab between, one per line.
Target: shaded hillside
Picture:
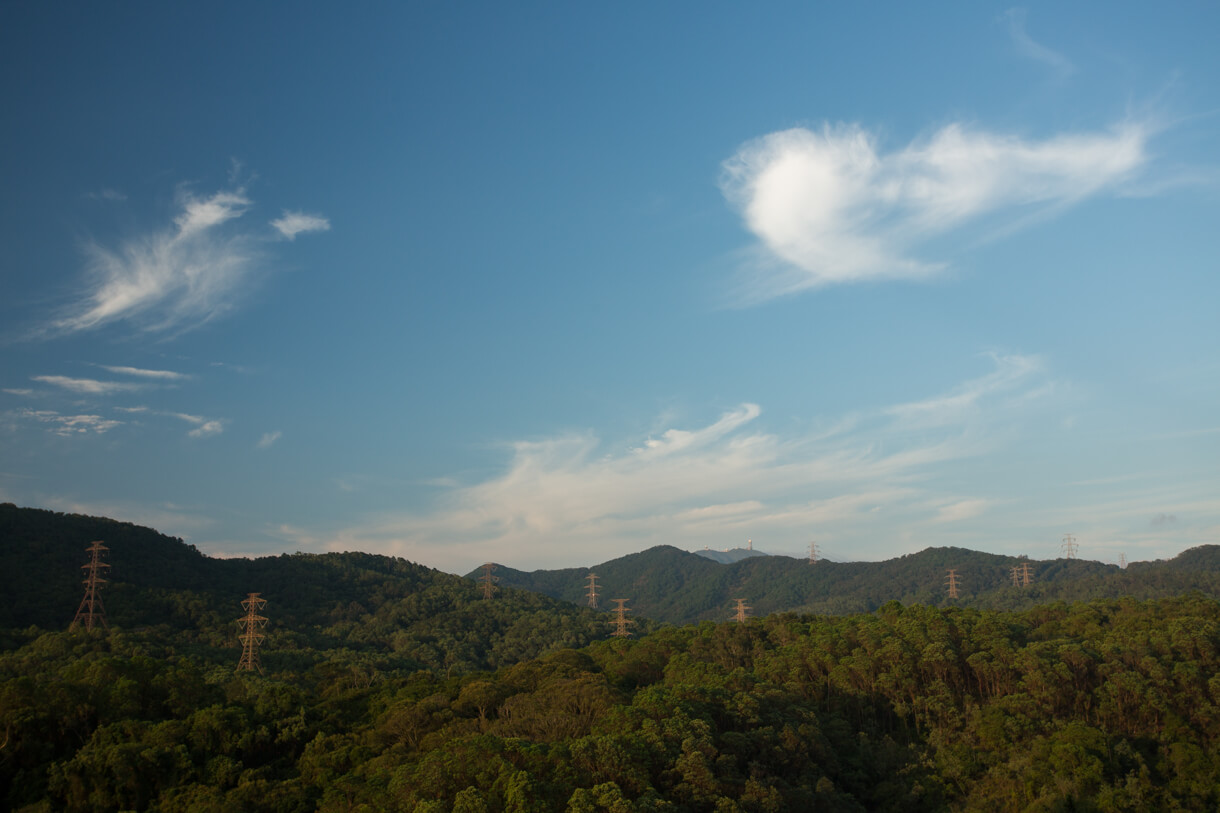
671	585
358	601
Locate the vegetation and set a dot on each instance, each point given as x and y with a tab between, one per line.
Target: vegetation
671	585
399	688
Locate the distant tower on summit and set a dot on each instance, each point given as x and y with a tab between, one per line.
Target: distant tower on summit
749	544
813	553
1069	546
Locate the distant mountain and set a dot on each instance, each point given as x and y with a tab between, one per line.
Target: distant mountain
728	556
674	586
356	601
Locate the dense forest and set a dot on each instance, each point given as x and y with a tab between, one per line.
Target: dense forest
389	686
672	585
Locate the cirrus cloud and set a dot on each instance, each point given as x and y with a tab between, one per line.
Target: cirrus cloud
177	277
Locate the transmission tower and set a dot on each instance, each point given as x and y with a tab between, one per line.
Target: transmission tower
951	581
1027	578
251	623
741	614
813	553
488	581
621	621
592	585
1069	546
1016	576
91	610
1122	561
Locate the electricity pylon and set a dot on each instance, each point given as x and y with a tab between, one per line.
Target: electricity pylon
1027	578
91	610
741	614
488	581
621	621
813	553
251	623
951	581
1069	546
592	594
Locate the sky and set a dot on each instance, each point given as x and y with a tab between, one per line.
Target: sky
550	283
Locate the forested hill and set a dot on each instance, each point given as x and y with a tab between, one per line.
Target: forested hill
361	602
672	585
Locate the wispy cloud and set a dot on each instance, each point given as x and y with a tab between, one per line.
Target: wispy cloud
173	278
828	207
67	425
204	427
564	499
1015	17
159	375
18	391
87	386
294	223
267	439
112	195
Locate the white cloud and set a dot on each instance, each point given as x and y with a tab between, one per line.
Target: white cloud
174	278
204	427
960	510
828	207
21	392
268	438
67	425
86	386
160	375
1033	50
294	223
572	499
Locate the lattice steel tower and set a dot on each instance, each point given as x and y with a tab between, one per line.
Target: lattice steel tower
251	637
951	581
742	611
592	585
813	553
487	580
1069	546
621	621
91	610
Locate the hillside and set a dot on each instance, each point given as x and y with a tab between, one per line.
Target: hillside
377	605
674	586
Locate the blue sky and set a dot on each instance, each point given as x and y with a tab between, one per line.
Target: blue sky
547	284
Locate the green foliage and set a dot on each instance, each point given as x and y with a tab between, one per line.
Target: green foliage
673	586
401	689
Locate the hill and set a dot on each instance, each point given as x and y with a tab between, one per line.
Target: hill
380	606
671	585
729	555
